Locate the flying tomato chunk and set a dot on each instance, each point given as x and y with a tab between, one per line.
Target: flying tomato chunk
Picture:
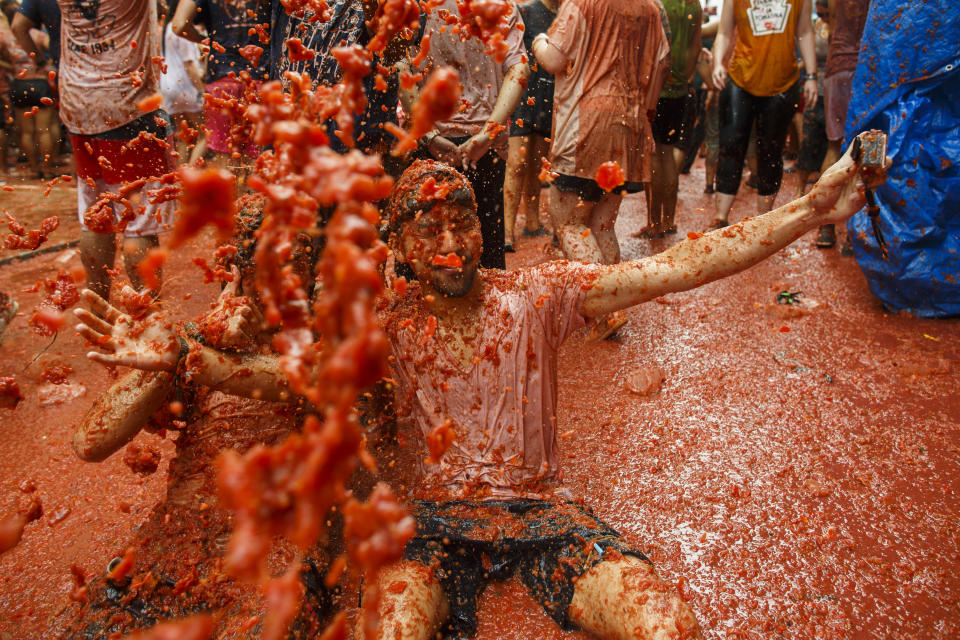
208	198
609	176
449	260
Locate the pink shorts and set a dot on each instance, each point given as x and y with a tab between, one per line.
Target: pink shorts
836	89
218	120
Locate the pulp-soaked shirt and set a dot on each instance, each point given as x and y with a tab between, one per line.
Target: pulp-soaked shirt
480	75
229	23
849	21
614	49
106	64
764	58
502	406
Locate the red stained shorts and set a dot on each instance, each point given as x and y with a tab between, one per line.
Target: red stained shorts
121	161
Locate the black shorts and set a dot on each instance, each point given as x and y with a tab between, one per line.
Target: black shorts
537	117
589	190
548	544
668	125
26	94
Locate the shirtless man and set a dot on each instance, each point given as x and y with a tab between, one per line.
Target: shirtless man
493	502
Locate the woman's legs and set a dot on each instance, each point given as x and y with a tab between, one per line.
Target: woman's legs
538	148
774	116
602	221
517	153
27	127
45	121
736	118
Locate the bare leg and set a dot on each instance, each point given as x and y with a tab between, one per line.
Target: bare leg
134	251
412	603
724	202
802	176
539	148
669	184
710	169
765	203
200	145
45	119
571	217
624	599
654	193
517	154
97	252
602	220
28	140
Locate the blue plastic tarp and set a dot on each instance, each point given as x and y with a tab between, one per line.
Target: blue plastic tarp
907	84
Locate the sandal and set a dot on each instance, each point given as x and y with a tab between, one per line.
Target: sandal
671	231
533	234
508	248
718	224
826	237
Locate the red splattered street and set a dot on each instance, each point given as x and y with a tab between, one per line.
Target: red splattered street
796	473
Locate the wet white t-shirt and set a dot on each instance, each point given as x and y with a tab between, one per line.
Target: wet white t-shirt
179	93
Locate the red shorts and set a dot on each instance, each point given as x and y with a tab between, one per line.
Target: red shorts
104	166
117	162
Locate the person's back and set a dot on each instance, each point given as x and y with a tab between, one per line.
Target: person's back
45	14
229	24
107	44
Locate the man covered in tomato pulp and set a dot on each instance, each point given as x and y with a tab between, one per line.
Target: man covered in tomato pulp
474	358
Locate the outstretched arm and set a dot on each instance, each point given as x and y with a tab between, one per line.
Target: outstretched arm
150	343
120	412
698	260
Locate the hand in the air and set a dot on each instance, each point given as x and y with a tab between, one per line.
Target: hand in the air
147	342
840	191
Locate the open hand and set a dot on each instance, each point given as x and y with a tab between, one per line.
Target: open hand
235	321
840	191
147	342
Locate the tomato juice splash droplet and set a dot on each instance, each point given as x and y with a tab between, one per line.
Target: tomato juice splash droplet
609	176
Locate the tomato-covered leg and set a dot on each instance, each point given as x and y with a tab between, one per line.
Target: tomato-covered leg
624	599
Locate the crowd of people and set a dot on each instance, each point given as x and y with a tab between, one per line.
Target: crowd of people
591	99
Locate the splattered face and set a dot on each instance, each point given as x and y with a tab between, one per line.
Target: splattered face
442	246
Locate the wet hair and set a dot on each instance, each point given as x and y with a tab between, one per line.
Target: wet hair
246	224
408	198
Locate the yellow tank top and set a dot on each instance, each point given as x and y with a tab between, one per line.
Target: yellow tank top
764	59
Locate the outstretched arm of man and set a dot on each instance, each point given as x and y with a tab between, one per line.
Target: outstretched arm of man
698	260
120	412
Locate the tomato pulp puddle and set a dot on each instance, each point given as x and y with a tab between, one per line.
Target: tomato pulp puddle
796	473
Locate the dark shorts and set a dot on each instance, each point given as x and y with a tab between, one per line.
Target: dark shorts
547	544
537	117
26	94
668	125
589	190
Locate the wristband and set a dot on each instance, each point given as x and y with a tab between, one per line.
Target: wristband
811	77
